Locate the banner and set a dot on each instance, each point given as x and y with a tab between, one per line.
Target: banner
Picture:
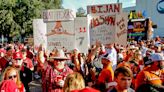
137	30
121	27
82	34
39	29
102	28
110	9
61	35
58	15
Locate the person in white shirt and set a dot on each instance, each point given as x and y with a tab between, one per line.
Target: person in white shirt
113	53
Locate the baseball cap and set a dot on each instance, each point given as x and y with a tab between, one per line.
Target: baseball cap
17	55
107	56
156	57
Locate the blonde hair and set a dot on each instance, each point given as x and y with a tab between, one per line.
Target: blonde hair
6	74
74	81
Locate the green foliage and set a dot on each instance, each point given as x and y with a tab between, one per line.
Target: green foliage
17	15
81	12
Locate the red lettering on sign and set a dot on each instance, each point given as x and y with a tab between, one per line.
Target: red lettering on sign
108	20
111	8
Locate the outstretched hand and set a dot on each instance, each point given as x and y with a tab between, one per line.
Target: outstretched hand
41	58
98	43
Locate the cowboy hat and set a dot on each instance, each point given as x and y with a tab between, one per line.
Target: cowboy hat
59	54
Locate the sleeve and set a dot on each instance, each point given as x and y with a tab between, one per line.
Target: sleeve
140	79
105	76
30	63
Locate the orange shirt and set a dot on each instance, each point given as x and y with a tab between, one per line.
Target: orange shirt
149	76
106	75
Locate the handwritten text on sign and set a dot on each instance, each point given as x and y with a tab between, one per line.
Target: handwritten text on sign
61	40
104	32
81	34
100	20
58	15
107	8
122	27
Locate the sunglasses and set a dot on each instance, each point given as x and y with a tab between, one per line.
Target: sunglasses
60	60
14	76
18	59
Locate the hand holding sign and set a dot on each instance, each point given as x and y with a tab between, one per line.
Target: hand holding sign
40	57
98	44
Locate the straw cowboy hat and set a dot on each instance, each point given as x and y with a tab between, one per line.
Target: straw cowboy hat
59	54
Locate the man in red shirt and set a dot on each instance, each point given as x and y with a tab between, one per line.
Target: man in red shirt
25	72
54	73
7	59
27	61
30	55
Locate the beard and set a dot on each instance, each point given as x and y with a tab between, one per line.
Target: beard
60	66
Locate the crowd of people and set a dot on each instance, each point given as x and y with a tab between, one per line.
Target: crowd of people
137	67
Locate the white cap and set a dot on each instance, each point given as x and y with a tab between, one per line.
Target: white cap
157	57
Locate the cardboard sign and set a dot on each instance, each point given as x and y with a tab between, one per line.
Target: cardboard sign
102	28
82	34
121	27
58	15
110	9
60	35
39	29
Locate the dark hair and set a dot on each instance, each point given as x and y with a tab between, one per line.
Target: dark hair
124	70
23	50
8	48
149	88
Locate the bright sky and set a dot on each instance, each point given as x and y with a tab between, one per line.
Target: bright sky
75	4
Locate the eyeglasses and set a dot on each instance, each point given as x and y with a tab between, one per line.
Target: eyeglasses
60	60
14	76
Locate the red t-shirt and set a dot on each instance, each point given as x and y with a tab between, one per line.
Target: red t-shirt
29	54
21	89
3	62
28	62
106	75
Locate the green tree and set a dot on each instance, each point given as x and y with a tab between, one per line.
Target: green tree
16	16
52	4
81	12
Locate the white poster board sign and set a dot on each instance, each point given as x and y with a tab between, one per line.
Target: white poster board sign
39	29
60	35
111	9
121	27
102	28
82	34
